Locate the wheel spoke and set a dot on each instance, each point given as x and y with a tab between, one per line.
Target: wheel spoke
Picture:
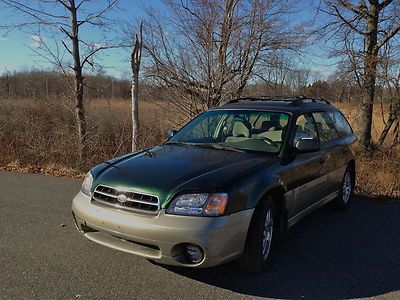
346	189
267	234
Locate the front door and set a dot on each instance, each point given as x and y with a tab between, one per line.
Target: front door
308	169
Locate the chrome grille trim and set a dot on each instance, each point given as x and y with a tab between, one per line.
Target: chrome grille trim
136	201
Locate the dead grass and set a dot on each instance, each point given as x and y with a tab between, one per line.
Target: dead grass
39	137
378	171
54	170
42	133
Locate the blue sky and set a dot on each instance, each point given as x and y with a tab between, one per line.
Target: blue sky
15	52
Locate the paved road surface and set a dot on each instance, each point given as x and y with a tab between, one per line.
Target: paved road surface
330	254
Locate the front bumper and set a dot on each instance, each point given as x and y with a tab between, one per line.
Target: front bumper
158	237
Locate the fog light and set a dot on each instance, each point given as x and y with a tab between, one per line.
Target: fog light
194	253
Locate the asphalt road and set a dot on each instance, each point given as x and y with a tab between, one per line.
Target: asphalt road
331	254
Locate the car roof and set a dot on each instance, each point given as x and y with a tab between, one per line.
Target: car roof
291	104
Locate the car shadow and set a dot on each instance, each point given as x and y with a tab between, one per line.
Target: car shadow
330	254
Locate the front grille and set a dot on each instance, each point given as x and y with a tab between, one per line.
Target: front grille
125	199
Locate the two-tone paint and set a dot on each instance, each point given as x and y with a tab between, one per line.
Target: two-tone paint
301	183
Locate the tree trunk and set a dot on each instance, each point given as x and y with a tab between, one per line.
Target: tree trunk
396	136
7	86
80	116
78	81
135	112
368	101
370	63
385	131
135	66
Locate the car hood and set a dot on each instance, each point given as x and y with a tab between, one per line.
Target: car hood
167	170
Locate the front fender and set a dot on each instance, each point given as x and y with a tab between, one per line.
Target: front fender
246	192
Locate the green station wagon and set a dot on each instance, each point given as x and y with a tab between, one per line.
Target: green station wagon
224	185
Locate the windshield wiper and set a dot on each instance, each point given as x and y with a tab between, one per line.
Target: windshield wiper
220	147
180	143
206	145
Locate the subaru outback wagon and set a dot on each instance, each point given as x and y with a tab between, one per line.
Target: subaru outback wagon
222	186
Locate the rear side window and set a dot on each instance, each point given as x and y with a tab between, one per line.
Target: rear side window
325	128
305	128
339	121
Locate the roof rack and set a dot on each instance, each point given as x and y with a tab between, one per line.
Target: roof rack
295	100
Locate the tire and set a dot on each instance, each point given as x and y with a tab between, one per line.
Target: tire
257	250
346	189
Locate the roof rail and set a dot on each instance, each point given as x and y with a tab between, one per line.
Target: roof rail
295	100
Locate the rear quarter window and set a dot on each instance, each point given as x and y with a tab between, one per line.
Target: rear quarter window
325	128
305	128
341	125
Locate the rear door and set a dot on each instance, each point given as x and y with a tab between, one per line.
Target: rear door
308	169
345	138
332	146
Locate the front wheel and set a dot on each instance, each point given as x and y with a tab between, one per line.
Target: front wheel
257	250
346	190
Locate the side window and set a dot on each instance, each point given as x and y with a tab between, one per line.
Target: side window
342	126
325	128
305	128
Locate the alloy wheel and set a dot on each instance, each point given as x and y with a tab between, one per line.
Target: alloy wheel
346	189
267	234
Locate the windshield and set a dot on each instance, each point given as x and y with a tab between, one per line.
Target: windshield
235	130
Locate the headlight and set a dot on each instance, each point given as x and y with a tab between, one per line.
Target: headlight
199	204
87	184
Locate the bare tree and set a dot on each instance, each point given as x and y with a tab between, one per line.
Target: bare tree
362	28
57	23
136	57
275	72
206	52
390	87
298	80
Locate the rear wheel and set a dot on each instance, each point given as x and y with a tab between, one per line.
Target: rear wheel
256	255
346	190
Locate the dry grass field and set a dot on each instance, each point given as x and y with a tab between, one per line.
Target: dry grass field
378	172
39	136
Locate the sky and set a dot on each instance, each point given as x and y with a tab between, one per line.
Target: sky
16	46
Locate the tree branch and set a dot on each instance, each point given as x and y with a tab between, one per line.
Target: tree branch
384	3
87	57
98	14
387	37
347	22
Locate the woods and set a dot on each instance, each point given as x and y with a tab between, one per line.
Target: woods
57	22
190	56
206	52
362	31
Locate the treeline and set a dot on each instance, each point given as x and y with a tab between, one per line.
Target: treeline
40	84
333	89
46	84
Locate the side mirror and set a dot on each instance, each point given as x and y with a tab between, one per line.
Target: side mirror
307	145
171	132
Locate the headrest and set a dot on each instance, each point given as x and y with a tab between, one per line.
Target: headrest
275	118
265	124
240	129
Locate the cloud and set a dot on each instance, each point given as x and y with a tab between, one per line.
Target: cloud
325	72
36	38
37	41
